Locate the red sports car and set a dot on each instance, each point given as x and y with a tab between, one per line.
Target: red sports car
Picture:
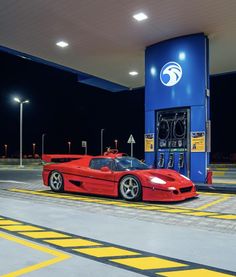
118	175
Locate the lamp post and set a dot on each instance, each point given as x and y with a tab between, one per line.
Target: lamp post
69	146
5	150
102	130
33	144
43	135
21	124
116	143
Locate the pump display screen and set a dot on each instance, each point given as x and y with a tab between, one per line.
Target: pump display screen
172	129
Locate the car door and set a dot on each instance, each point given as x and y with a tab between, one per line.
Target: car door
98	181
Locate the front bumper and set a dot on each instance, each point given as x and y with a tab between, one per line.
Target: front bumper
164	195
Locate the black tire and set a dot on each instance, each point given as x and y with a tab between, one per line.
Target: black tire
130	188
56	181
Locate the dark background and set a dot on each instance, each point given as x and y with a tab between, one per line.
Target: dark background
70	111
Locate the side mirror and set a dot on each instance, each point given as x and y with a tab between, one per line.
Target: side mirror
105	169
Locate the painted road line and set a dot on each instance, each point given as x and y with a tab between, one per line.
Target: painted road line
193	273
57	256
205	214
141	262
212	203
101	252
9	222
18	228
43	235
145	263
216	194
174	211
72	242
142	206
152	208
219	174
228	216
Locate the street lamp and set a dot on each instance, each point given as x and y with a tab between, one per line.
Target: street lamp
43	135
33	144
116	143
102	130
21	124
5	150
69	146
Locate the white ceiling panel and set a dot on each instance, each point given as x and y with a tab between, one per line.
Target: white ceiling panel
105	41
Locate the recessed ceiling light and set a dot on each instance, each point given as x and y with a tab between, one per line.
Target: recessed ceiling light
133	73
140	16
62	44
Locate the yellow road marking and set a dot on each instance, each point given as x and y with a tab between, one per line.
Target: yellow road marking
152	208
9	222
128	205
176	211
194	273
101	252
18	228
226	216
216	194
145	263
218	174
201	213
44	235
164	209
59	256
72	242
203	207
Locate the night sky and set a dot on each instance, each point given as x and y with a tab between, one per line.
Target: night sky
69	111
65	110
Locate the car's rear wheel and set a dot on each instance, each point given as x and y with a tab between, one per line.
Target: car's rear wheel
56	181
130	188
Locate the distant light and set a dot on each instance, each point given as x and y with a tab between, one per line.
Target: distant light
26	101
153	71
62	44
182	56
17	99
140	16
133	73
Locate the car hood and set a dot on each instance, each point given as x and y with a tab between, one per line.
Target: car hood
171	177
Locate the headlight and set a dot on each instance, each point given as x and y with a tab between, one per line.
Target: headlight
185	177
171	188
157	180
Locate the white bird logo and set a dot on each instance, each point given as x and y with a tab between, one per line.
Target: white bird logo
170	74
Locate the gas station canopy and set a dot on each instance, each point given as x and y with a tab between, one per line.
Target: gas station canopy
105	42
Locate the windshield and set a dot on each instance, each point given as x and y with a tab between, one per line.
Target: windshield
129	163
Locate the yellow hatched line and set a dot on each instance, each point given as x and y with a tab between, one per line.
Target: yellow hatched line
220	173
119	256
163	209
59	256
148	263
203	207
194	273
215	194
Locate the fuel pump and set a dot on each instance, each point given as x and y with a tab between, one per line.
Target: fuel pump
171	161
173	139
181	161
161	161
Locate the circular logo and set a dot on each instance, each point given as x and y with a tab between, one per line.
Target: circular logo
170	74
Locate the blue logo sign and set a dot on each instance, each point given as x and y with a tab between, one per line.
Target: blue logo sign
170	74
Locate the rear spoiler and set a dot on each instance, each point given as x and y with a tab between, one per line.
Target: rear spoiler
60	158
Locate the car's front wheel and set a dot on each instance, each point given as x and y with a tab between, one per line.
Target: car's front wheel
56	181
130	188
